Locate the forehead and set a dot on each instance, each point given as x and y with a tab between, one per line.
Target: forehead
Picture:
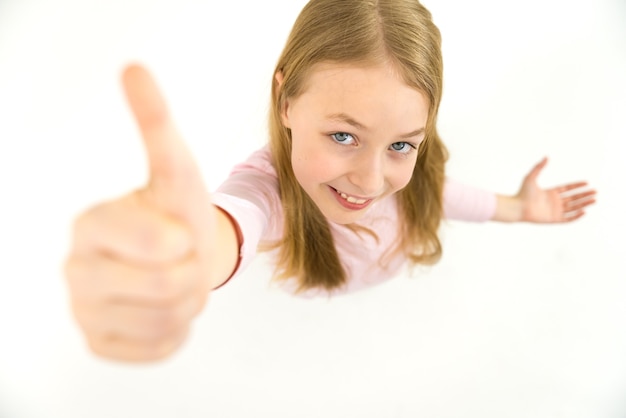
325	73
368	91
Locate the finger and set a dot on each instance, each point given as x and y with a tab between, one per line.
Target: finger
571	186
98	279
129	229
534	172
573	216
137	322
175	180
176	184
120	349
580	196
579	204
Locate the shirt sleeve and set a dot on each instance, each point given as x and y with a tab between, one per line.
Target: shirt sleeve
251	223
250	196
467	203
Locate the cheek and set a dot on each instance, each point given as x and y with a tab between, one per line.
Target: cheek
299	154
310	158
305	162
300	165
402	177
311	166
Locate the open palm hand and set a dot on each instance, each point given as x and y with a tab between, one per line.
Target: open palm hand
564	203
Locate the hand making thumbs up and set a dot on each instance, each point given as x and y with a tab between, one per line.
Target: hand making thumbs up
142	266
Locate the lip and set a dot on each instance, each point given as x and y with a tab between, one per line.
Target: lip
349	205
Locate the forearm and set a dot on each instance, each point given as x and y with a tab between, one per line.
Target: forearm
508	209
228	251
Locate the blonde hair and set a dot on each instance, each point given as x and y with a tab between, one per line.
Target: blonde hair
361	32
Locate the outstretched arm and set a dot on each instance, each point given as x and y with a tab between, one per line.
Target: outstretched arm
564	203
142	266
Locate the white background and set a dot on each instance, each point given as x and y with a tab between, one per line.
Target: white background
515	321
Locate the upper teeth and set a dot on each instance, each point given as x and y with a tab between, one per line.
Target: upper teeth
352	199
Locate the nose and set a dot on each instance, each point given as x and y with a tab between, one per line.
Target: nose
368	174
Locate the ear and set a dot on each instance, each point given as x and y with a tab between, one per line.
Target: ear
284	103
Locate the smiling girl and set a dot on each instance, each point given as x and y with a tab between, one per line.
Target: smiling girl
350	188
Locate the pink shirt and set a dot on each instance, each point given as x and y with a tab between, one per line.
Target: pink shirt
250	196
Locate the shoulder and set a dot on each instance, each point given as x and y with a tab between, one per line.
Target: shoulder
253	186
253	177
260	160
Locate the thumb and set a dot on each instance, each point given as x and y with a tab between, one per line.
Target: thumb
175	183
536	170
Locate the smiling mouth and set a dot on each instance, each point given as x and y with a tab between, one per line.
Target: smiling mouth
351	199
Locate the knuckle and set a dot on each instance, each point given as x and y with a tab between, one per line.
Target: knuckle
84	221
76	272
89	318
80	317
81	221
83	276
71	270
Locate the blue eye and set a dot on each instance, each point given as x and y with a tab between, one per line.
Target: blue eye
402	147
342	138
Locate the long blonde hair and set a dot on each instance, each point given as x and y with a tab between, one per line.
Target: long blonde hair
362	32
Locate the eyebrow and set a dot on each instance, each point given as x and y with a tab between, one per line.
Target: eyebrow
342	117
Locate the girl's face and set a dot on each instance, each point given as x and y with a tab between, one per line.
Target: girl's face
355	133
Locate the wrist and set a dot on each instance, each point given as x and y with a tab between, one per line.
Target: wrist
508	209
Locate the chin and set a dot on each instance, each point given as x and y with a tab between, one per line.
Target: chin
343	219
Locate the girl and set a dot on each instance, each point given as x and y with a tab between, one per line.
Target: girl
349	189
